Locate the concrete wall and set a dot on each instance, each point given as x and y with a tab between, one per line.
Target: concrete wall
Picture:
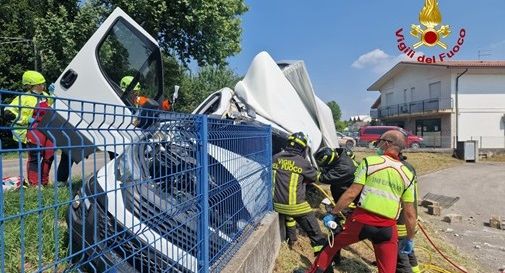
419	78
482	107
259	252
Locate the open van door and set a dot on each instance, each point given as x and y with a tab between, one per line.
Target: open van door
118	63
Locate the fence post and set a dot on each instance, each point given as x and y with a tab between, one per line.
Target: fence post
203	191
268	155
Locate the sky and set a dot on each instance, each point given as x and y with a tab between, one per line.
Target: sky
348	45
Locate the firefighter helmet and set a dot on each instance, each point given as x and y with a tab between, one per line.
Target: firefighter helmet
126	81
325	156
32	77
297	140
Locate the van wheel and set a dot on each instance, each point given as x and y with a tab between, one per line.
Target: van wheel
371	145
349	144
415	145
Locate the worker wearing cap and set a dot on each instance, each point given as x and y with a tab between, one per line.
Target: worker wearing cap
25	112
291	170
385	187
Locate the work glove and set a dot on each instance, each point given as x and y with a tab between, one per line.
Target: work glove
406	246
51	88
329	221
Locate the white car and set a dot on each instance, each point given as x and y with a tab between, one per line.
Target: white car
346	141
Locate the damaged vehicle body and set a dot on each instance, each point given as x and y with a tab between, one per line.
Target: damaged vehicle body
140	212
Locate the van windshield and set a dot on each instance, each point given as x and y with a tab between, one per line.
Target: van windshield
131	63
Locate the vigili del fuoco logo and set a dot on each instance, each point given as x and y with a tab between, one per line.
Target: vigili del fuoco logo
430	34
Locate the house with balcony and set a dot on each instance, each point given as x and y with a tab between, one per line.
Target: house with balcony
445	102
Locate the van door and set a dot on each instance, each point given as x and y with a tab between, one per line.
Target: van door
118	63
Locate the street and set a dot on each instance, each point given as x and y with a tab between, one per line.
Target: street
481	188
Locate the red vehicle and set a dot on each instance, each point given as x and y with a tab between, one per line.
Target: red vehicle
369	134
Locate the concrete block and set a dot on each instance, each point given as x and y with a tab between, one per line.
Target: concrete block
495	222
453	218
427	202
259	252
435	210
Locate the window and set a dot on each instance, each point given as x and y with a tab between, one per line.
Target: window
128	56
435	90
389	98
412	91
405	96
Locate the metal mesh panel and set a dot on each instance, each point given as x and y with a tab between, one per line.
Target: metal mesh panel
146	190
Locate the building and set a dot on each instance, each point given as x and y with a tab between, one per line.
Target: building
445	102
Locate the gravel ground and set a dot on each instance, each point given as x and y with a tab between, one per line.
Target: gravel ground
481	188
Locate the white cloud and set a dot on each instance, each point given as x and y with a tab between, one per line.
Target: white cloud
371	58
379	61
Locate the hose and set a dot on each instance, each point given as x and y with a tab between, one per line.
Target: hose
438	250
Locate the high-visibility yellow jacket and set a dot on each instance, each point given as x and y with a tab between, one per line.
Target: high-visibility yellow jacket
23	107
386	182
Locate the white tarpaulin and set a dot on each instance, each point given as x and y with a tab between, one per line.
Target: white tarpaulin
271	95
297	75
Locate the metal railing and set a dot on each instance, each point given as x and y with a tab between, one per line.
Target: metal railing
415	107
147	191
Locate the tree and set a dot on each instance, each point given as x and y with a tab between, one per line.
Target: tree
206	31
195	88
57	28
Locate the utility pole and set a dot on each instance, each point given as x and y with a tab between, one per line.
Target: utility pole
16	40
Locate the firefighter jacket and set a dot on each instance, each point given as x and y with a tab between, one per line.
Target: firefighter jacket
339	175
290	172
23	108
386	182
402	229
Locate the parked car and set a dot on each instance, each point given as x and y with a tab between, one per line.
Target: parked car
369	134
346	141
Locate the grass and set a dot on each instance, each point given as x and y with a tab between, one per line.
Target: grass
33	210
359	257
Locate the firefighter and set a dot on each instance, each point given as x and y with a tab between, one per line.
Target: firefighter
25	112
291	170
337	167
385	187
407	263
138	99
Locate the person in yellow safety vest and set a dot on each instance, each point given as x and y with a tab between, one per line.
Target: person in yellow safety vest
25	112
291	170
385	186
407	263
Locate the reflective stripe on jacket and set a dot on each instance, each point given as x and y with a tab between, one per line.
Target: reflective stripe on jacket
23	107
290	171
386	182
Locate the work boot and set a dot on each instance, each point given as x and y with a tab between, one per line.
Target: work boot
291	243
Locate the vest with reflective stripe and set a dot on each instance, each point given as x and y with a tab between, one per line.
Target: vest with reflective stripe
386	182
